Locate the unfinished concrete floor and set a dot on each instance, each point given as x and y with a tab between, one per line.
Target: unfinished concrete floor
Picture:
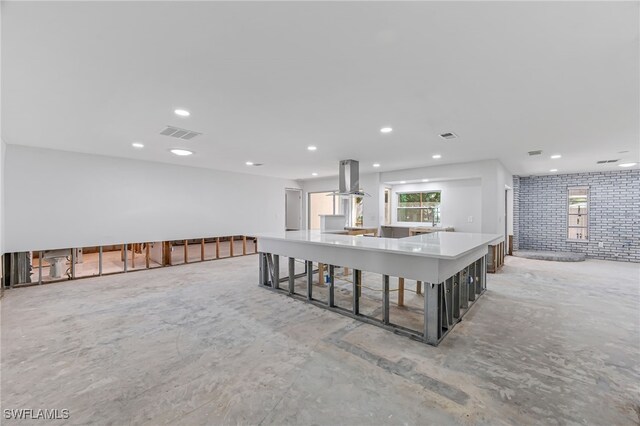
548	343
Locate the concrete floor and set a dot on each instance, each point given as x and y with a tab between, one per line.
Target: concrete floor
548	343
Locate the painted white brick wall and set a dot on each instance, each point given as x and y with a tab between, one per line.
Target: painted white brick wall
540	214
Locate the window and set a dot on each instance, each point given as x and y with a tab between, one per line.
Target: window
578	211
419	207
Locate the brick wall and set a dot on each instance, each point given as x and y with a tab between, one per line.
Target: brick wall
540	214
516	212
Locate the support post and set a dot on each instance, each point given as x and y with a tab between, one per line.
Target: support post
356	292
320	273
231	246
431	313
217	247
464	289
472	282
418	287
292	275
455	296
186	251
261	269
309	280
202	246
448	287
275	280
124	247
385	299
40	254
484	273
100	260
400	291
244	245
331	301
147	255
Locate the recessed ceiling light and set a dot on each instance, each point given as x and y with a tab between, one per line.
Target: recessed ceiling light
312	148
386	130
553	170
556	156
314	174
376	164
182	112
425	180
137	145
627	164
436	156
403	181
249	163
181	152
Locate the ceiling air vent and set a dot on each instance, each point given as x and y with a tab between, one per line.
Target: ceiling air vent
176	132
448	135
606	161
538	152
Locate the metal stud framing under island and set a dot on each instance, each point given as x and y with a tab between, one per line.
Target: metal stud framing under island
450	266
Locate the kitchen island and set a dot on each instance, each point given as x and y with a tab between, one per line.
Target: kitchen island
450	264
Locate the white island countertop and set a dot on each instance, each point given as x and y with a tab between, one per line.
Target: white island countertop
440	245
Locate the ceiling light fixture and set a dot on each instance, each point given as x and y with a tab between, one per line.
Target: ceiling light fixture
386	130
312	148
137	145
436	156
556	156
182	112
376	165
249	163
553	170
314	174
425	180
181	152
627	164
403	181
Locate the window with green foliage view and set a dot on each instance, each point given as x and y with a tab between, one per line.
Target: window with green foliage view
419	207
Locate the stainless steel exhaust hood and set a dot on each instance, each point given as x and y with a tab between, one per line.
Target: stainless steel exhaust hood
349	179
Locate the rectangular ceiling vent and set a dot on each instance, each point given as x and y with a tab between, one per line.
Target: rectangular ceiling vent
606	161
538	152
448	135
176	132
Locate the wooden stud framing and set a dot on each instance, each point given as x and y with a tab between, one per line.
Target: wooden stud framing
146	255
400	291
202	249
186	251
166	253
418	287
217	247
244	245
231	246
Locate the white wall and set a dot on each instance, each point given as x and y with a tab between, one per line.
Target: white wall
2	169
459	200
57	199
493	178
369	183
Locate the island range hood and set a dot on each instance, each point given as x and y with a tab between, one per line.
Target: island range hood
349	179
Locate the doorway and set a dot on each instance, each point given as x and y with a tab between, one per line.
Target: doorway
321	203
293	209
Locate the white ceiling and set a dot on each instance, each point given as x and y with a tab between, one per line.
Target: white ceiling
264	80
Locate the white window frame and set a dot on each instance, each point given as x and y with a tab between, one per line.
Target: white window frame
397	206
587	214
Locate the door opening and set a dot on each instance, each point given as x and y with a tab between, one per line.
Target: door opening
293	209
